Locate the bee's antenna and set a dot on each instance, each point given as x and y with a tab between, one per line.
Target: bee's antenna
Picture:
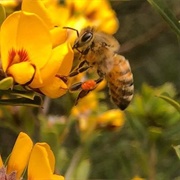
73	30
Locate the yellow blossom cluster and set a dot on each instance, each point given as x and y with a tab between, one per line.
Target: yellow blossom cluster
89	116
79	14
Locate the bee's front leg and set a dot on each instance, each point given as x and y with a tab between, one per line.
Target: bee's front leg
81	68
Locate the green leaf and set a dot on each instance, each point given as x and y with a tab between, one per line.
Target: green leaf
83	170
170	101
6	83
36	102
177	149
2	14
167	14
25	94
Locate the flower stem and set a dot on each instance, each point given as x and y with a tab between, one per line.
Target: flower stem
75	160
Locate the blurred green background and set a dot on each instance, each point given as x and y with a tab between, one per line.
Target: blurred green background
144	145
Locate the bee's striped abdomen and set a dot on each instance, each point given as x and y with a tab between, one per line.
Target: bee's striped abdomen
120	82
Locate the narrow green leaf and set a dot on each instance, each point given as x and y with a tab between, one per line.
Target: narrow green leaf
25	94
167	14
177	149
83	170
6	83
37	102
170	101
2	14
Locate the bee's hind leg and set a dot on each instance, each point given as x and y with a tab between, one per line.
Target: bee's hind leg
85	87
76	87
81	95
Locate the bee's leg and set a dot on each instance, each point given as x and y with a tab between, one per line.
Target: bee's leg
81	68
76	87
99	80
82	94
79	86
86	87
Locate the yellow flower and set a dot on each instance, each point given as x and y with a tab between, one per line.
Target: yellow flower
77	13
111	119
39	159
83	108
34	55
137	178
19	156
41	163
97	13
10	5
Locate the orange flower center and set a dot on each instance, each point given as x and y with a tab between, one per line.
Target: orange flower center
17	56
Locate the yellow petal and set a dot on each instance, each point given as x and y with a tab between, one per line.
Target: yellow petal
9	4
77	22
94	5
22	30
38	8
112	117
110	25
20	154
59	36
55	88
56	10
1	162
21	72
37	79
41	162
62	58
77	5
57	177
67	62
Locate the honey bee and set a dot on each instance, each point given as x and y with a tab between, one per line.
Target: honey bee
99	51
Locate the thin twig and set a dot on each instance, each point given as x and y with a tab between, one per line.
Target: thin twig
74	162
142	39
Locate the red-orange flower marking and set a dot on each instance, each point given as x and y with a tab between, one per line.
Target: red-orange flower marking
17	56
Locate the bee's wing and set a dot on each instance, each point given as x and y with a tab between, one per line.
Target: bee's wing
111	42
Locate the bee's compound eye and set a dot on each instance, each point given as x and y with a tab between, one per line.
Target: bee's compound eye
86	37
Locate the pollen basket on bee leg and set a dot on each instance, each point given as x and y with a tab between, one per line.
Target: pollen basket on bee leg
89	85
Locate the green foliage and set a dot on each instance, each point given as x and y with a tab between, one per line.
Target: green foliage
167	14
177	149
6	83
2	14
17	95
83	170
17	98
151	110
171	101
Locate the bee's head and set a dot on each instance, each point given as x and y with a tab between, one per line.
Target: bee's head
84	39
